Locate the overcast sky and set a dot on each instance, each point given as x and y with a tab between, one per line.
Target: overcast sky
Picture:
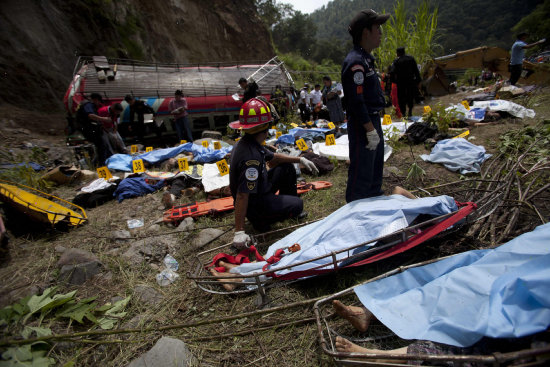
305	6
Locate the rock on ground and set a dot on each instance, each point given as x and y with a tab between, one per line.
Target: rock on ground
186	225
151	249
75	256
148	295
166	352
206	235
79	273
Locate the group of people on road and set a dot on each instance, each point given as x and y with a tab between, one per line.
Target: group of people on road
325	102
99	123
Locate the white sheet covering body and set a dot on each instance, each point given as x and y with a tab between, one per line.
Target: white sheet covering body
340	150
211	178
512	108
352	224
498	293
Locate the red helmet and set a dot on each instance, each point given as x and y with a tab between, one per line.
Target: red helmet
254	113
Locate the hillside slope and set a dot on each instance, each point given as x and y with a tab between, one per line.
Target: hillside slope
42	39
463	24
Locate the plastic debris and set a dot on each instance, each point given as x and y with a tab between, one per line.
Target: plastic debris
171	263
135	223
166	277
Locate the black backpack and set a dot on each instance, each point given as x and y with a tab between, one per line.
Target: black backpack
419	132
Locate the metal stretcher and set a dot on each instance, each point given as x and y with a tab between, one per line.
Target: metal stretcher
328	327
387	246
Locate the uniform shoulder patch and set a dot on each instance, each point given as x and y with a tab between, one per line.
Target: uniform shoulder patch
251	174
252	162
358	78
358	67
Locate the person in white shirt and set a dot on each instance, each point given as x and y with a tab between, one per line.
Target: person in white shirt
303	104
316	95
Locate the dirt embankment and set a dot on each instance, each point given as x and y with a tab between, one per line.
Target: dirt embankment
43	39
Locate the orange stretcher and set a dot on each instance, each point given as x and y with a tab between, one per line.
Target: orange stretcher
217	206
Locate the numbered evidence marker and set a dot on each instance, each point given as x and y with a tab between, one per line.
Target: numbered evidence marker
217	145
183	142
222	167
331	125
103	172
278	134
387	120
205	143
301	144
133	149
148	149
466	104
183	164
463	135
427	109
329	140
294	125
138	166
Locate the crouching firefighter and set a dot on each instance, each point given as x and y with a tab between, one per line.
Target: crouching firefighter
253	186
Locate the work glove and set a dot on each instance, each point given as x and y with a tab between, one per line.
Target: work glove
372	140
310	166
241	240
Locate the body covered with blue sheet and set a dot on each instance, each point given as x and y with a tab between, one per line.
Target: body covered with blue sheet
355	223
458	155
123	162
497	293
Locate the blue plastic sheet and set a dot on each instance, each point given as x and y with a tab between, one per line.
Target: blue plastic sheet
34	166
355	223
285	139
135	186
497	293
458	155
123	162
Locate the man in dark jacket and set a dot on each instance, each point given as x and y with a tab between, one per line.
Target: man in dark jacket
139	108
251	90
407	77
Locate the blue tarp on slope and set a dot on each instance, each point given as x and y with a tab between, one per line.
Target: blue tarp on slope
352	224
458	155
498	293
123	162
135	186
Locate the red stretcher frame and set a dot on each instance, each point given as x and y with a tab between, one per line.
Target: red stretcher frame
409	238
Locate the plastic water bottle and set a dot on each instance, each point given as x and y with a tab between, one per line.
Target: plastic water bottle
171	263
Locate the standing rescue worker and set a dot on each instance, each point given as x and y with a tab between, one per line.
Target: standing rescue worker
407	77
252	186
364	101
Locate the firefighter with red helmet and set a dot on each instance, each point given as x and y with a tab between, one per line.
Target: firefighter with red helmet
253	186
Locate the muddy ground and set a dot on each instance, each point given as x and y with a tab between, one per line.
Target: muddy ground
29	263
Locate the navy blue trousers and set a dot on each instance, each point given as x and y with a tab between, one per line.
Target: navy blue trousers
366	166
269	208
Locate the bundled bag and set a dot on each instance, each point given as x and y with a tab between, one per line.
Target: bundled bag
419	132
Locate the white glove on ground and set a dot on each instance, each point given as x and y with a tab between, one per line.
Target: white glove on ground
372	140
309	165
241	240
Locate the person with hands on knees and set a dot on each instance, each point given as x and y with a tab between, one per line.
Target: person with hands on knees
364	101
252	185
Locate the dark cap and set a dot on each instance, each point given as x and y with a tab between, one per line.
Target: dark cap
365	18
522	34
96	96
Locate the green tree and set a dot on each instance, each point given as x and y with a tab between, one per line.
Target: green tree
536	23
272	12
417	34
295	34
